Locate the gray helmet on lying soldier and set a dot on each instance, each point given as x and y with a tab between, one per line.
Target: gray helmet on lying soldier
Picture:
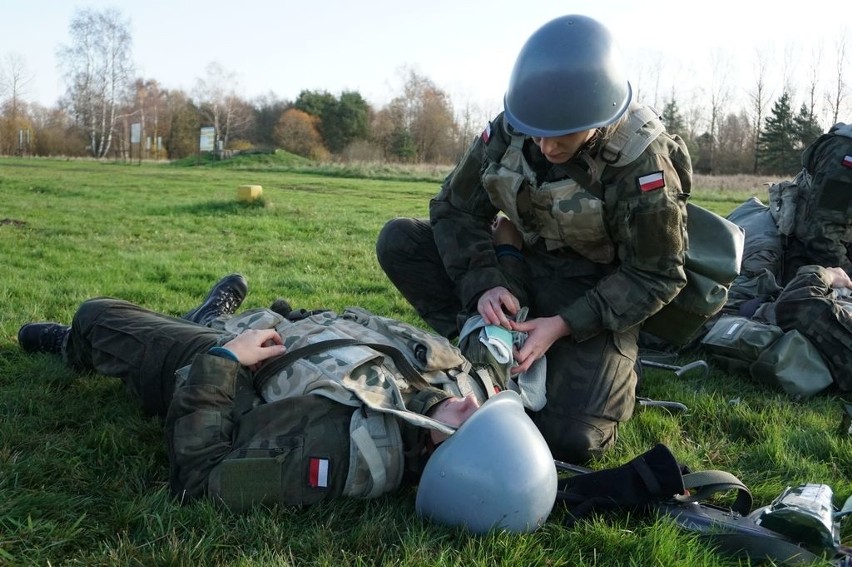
495	472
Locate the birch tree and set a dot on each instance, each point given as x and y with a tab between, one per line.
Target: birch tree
98	68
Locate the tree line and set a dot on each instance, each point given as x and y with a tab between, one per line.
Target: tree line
109	112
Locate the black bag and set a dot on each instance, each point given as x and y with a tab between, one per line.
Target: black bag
654	482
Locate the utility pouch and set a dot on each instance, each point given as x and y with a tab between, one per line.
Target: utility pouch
712	263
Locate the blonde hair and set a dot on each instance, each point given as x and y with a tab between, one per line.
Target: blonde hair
606	132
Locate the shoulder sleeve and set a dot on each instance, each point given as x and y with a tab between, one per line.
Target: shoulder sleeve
461	216
646	215
201	419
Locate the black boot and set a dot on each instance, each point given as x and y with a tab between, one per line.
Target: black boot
224	298
43	337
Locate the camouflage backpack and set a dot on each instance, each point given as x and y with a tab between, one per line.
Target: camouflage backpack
828	165
816	206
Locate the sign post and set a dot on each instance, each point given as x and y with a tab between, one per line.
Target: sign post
136	138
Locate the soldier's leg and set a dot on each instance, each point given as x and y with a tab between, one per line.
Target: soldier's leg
143	348
591	388
407	253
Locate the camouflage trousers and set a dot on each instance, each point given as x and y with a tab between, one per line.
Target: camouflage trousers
143	348
591	386
805	306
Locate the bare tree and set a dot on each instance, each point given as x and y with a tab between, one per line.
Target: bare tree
720	95
216	97
471	121
813	77
98	68
14	79
759	97
837	97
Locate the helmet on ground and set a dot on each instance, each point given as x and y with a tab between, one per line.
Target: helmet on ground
495	472
568	77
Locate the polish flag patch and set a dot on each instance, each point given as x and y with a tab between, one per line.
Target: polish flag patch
486	134
651	181
847	161
318	473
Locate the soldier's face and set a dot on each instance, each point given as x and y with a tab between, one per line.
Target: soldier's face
453	412
560	149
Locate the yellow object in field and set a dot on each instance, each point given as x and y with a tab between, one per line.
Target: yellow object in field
249	193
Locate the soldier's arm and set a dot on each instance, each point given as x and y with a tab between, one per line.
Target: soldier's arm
461	216
649	228
826	243
200	421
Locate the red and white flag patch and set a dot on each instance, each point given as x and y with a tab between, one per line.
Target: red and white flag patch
847	161
318	473
651	181
486	134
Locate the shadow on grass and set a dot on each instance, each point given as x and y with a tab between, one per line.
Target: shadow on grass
218	208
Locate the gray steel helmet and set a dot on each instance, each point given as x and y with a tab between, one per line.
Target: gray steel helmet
567	78
494	473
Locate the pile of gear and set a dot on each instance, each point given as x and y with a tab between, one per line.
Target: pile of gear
807	221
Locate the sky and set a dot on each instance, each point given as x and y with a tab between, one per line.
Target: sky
465	47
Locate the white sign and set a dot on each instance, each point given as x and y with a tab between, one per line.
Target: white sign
205	141
135	133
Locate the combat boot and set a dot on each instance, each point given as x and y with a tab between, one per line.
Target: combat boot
43	337
224	298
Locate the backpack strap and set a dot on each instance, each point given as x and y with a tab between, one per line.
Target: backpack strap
630	140
708	483
277	364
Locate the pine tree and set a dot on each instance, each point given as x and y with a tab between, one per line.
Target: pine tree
673	119
807	127
778	143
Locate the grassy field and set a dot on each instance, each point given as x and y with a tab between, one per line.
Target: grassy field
83	475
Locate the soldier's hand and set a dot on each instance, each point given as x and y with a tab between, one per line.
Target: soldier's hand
541	334
494	305
256	345
838	278
504	231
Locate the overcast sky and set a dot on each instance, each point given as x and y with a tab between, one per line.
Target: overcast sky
466	47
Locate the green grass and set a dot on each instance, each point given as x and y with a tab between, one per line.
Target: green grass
83	475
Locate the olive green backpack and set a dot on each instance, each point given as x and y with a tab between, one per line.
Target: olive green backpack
768	354
712	263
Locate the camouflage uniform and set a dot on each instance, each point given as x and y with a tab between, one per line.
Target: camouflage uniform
823	220
604	253
809	305
228	441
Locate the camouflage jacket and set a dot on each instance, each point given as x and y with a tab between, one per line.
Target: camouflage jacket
809	305
636	224
221	412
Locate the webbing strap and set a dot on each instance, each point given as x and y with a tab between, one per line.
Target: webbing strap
629	141
707	483
367	447
277	364
647	476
